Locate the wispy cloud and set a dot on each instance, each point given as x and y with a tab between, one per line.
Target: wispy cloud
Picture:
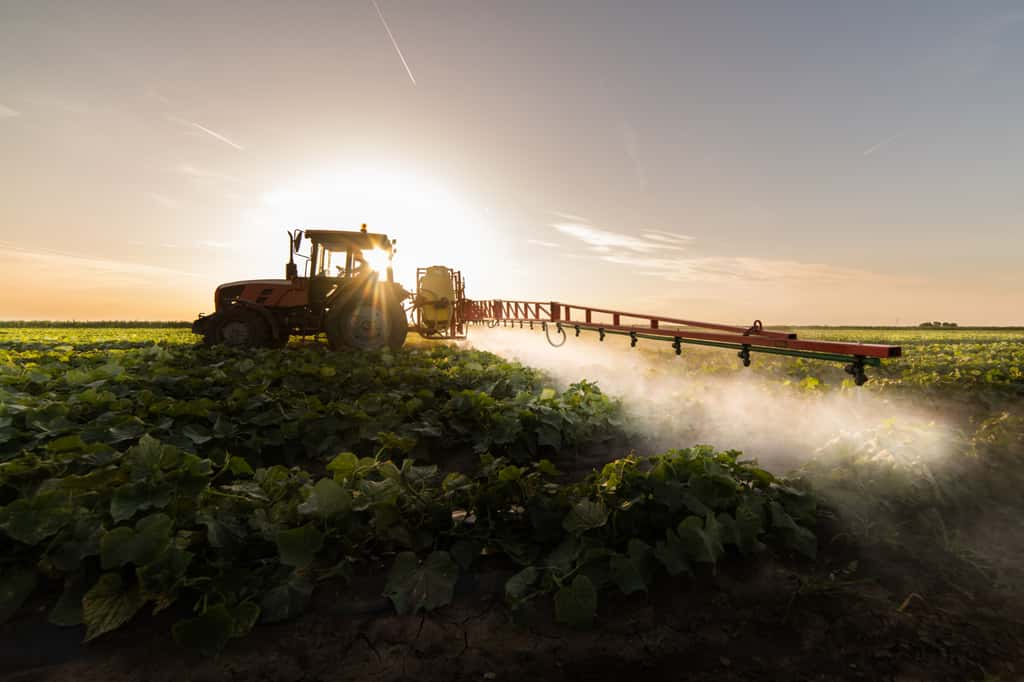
671	257
203	129
393	41
667	237
7	112
878	145
541	242
216	136
605	240
62	259
572	218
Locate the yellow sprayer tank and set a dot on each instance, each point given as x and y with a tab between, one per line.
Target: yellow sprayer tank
437	297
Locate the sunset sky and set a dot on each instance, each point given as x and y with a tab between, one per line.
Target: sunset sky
800	162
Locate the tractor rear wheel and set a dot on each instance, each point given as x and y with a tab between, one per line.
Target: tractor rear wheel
366	324
241	328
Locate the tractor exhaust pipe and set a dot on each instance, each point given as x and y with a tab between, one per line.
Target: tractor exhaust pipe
291	271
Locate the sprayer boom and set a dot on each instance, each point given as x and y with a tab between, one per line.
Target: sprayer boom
744	340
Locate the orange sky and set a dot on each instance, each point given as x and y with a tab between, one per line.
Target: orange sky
727	163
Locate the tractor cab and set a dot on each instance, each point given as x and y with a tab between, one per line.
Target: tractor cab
337	254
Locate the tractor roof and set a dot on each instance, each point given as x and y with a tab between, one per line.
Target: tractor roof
337	240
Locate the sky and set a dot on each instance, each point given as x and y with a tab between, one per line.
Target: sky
798	162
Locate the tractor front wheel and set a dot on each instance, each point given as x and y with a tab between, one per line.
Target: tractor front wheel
240	328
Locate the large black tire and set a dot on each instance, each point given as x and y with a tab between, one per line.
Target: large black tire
367	323
240	328
399	325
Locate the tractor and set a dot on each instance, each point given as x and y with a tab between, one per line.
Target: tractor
347	290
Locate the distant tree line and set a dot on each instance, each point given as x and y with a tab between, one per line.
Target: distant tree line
100	324
938	324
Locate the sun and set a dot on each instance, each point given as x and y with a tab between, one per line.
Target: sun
430	223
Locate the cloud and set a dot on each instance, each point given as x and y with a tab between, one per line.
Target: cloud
216	136
65	262
571	217
671	257
7	112
605	241
878	145
541	242
212	133
667	237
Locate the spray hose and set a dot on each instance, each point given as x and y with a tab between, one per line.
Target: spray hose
547	334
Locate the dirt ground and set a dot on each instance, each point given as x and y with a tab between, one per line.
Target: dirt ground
881	618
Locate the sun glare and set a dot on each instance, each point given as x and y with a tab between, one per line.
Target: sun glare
377	259
430	223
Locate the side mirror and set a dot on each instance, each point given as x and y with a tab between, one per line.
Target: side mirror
297	240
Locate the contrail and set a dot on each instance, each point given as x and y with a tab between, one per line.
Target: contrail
216	135
878	145
393	41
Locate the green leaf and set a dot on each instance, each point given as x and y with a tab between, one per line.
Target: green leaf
299	546
344	465
749	523
245	616
327	499
122	545
239	466
33	520
576	604
671	553
162	576
76	543
208	633
627	574
16	584
585	515
794	536
412	587
510	473
545	467
197	433
134	497
700	541
287	600
109	605
518	586
66	444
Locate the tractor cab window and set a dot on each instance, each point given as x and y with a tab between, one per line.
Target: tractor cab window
340	263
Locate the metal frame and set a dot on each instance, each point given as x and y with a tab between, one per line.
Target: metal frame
677	331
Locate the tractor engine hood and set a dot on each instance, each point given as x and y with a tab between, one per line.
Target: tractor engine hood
226	293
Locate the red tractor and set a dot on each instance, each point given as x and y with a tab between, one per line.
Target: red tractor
347	290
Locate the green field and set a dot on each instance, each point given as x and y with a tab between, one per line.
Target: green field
203	494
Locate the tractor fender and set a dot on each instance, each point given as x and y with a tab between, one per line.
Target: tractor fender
275	328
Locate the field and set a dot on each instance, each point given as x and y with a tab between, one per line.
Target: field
447	513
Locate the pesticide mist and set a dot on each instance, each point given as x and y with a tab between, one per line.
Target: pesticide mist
704	396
